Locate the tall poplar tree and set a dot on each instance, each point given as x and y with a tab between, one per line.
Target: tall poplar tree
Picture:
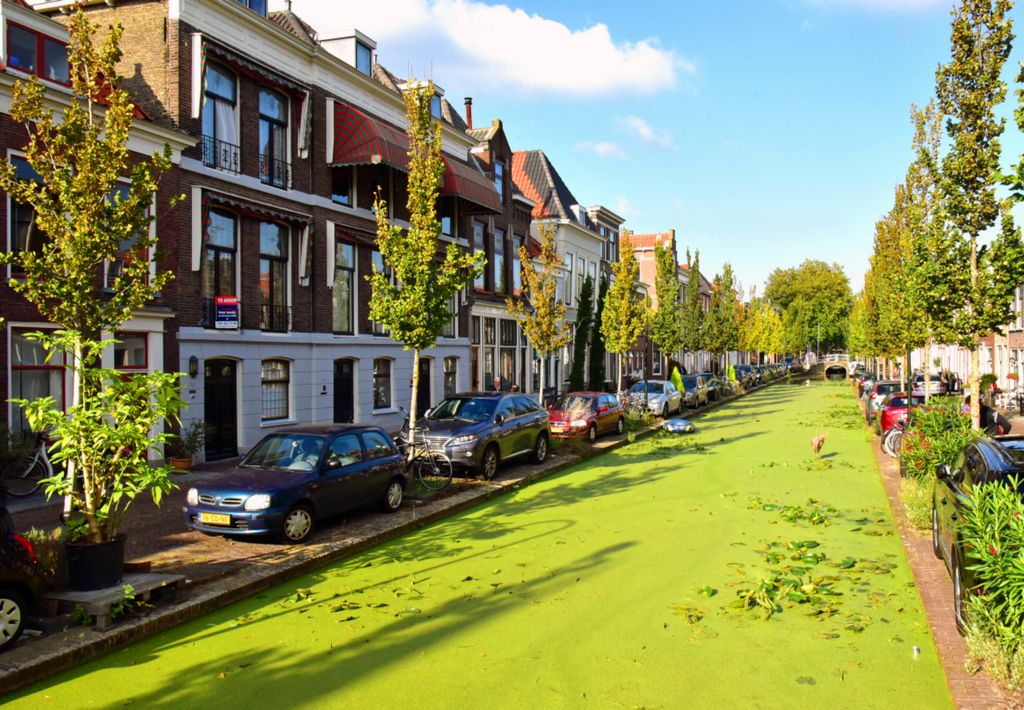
969	88
584	321
626	313
692	310
414	305
666	324
721	331
597	349
540	312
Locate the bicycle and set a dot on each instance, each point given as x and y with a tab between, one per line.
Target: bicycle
433	469
22	477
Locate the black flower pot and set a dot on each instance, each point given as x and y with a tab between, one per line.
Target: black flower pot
95	565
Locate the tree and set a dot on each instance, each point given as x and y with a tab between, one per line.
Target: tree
414	306
83	219
815	301
584	318
540	312
666	325
692	309
626	313
597	349
721	332
969	88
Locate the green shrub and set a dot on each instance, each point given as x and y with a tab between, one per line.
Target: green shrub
917	500
935	434
992	535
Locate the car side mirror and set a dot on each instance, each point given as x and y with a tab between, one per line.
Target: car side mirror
942	472
499	419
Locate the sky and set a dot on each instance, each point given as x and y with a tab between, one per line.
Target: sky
765	132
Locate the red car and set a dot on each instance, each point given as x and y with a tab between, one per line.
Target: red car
586	414
897	409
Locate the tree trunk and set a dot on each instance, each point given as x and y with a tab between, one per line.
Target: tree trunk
927	372
415	392
540	394
975	387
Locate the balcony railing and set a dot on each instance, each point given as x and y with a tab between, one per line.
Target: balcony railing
221	155
274	319
209	315
274	172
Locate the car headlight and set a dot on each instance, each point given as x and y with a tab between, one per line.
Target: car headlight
192	497
260	501
462	439
579	423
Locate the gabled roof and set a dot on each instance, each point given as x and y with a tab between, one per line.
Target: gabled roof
294	25
448	113
533	173
649	241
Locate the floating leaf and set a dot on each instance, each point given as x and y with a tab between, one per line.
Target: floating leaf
707	591
848	563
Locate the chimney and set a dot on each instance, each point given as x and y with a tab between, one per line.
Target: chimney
469	111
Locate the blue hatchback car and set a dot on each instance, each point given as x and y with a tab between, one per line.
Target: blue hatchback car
297	476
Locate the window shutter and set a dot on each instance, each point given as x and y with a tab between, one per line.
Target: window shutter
198	227
198	70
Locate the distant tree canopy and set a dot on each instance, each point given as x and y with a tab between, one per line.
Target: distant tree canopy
815	300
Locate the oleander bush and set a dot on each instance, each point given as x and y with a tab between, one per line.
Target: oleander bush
936	434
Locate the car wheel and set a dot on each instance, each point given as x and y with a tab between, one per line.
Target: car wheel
12	617
540	448
489	462
620	426
297	524
936	543
592	433
392	499
664	411
959	604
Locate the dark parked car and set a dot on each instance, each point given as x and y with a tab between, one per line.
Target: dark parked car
478	430
745	375
992	460
695	391
20	580
297	476
589	414
713	385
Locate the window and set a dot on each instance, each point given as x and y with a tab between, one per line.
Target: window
33	375
517	266
274	384
499	179
219	254
364	58
478	246
341	185
131	352
507	352
593	279
400	196
446	215
24	235
37	54
371	179
377	445
220	132
451	371
345	450
499	261
273	277
273	139
449	327
257	6
382	383
474	337
126	249
581	275
379	266
435	106
569	263
343	296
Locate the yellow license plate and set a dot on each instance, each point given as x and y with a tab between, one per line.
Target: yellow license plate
558	429
215	518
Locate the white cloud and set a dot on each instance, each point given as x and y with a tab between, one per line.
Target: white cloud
643	130
883	5
603	149
624	208
507	47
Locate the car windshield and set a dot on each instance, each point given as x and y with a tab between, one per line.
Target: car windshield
298	452
690	382
887	388
652	387
470	409
898	402
573	402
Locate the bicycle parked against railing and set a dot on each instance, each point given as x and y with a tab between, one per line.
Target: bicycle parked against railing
432	468
21	477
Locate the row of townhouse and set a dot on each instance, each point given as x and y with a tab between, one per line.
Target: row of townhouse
280	140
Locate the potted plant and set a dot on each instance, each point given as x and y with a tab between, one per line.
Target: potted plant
183	447
112	424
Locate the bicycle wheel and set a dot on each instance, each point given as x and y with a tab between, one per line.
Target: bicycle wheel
434	471
21	477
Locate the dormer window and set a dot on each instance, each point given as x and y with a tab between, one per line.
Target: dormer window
38	54
364	58
257	6
435	106
499	179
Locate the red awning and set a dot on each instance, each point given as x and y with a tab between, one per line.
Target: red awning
467	182
363	140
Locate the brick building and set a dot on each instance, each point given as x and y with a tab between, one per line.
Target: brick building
294	135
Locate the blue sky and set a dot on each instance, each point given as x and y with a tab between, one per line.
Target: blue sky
763	131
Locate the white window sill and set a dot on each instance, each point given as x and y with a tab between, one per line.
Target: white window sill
268	423
388	410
